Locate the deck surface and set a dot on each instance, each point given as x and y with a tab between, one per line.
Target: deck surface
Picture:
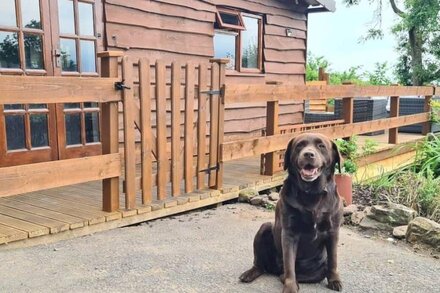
76	210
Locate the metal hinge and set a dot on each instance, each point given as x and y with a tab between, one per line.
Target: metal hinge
210	169
119	85
220	93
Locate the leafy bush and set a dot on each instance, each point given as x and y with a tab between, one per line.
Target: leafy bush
428	157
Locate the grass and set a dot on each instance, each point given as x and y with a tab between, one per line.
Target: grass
417	186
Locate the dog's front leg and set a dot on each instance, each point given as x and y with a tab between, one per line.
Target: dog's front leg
334	281
289	243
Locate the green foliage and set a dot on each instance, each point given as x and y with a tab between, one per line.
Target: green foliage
417	29
369	147
435	111
428	157
348	149
354	74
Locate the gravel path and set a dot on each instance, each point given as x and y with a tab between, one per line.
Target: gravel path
200	252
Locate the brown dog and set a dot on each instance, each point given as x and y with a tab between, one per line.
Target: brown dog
301	245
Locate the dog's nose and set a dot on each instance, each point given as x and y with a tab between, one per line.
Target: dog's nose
309	155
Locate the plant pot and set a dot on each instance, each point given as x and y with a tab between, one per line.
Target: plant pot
344	186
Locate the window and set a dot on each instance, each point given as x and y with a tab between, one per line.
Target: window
77	36
21	35
238	37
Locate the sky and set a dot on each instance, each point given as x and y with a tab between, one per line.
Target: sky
336	36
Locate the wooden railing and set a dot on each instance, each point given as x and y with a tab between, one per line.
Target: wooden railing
46	90
275	140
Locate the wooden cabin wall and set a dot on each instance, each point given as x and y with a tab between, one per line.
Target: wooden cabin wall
183	30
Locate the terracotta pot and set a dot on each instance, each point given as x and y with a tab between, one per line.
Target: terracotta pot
344	185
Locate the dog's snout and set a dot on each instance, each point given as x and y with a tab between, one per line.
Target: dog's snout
309	155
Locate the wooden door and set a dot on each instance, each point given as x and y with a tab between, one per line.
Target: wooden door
49	37
27	132
75	37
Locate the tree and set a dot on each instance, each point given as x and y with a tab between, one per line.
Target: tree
419	38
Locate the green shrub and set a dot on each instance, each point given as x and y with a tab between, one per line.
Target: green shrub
428	156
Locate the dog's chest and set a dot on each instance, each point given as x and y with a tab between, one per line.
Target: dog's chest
309	222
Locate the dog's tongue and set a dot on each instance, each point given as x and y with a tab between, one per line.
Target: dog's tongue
309	172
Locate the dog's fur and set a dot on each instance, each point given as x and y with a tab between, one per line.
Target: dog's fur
301	245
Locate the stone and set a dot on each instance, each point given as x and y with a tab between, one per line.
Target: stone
256	200
399	232
246	195
392	214
368	223
424	231
274	196
349	210
358	216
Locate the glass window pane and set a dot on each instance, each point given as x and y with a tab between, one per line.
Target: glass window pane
30	12
15	135
230	18
249	43
92	127
224	47
72	106
14	107
66	17
91	105
88	56
7	13
38	106
85	19
39	131
68	55
9	50
33	48
73	129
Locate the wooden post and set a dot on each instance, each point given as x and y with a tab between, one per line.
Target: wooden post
394	112
347	108
272	128
129	134
427	109
221	120
109	131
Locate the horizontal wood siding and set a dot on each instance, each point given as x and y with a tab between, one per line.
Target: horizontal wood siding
183	30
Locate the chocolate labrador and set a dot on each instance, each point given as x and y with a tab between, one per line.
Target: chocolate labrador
301	245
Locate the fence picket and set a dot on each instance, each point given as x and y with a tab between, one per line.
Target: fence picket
146	132
129	135
176	69
201	127
213	136
161	126
189	124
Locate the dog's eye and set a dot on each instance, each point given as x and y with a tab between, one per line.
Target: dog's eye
321	146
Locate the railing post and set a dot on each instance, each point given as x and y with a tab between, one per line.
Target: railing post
427	109
348	108
272	127
394	112
109	131
221	121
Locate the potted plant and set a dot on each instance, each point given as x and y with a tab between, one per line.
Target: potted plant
343	176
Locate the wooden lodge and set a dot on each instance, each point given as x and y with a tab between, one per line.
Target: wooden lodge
115	112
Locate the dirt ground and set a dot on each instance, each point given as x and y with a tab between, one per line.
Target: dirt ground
202	251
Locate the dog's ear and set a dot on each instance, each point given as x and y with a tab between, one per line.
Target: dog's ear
337	158
288	155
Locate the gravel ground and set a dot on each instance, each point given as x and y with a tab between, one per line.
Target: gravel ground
202	251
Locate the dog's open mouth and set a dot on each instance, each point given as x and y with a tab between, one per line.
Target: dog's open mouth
309	173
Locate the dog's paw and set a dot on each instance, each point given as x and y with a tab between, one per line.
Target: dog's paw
250	275
290	286
335	285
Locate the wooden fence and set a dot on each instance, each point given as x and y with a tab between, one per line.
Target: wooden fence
276	138
180	117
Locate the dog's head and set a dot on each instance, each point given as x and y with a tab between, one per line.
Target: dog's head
311	155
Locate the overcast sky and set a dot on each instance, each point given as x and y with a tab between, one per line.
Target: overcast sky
336	36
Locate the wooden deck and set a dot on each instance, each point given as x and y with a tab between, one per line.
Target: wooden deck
73	211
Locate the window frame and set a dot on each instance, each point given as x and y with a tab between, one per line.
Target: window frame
238	40
21	31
